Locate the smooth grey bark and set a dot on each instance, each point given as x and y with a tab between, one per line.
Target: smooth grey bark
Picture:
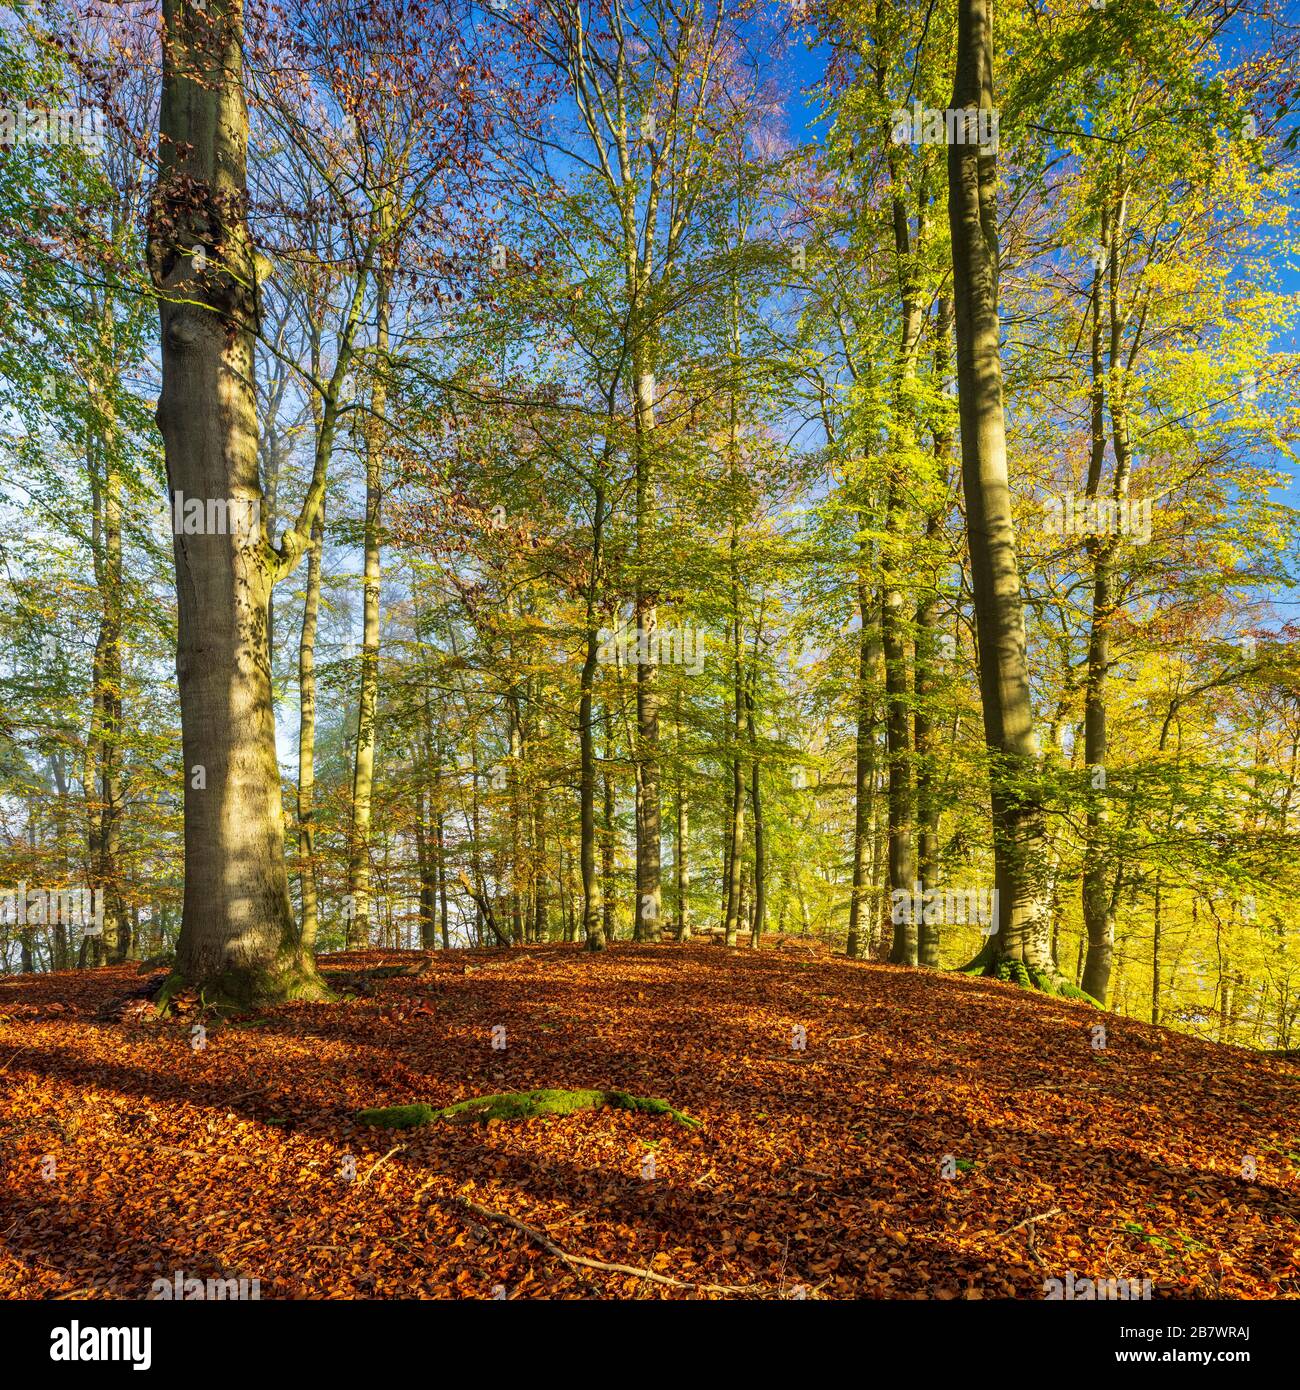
864	768
592	906
1019	828
307	736
363	771
925	733
238	938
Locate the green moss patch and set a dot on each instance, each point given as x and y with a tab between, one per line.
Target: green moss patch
520	1105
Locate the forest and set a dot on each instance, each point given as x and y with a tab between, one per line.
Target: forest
671	579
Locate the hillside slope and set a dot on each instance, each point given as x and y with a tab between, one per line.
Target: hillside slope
128	1154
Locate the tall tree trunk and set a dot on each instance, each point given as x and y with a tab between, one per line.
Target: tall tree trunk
541	923
683	865
516	731
927	647
307	736
108	665
648	827
592	933
608	839
426	867
443	920
238	937
1155	949
760	843
898	523
1098	905
59	933
363	773
1019	827
864	765
736	828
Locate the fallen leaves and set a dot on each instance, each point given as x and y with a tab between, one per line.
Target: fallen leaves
820	1171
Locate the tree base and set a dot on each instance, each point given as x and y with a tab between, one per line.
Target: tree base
519	1105
292	977
992	966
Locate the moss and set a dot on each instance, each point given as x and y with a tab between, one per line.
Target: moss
521	1105
650	1106
162	1001
1012	972
989	965
291	977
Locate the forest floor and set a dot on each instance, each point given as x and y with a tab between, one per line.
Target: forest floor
127	1153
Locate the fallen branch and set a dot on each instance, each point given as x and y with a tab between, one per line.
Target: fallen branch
1030	1220
396	1149
586	1262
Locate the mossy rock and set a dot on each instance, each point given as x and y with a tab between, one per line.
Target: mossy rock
520	1105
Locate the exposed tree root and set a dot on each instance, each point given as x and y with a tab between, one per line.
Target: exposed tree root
519	1105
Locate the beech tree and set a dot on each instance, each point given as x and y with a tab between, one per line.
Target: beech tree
238	933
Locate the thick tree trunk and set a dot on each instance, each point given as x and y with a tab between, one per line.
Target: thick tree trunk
238	938
1023	939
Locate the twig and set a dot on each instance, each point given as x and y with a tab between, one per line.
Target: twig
1029	1221
398	1149
853	1037
19	1053
540	1238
